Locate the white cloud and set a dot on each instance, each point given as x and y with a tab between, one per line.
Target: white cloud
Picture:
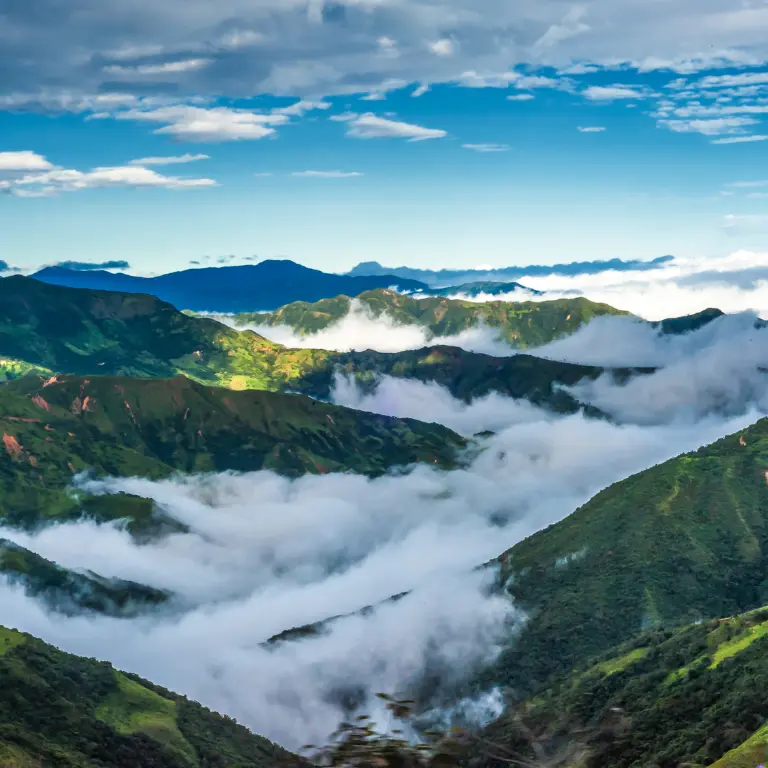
420	91
487	147
300	108
539	81
443	47
741	139
216	124
169	160
731	81
712	127
166	68
327	174
370	126
262	554
590	129
612	92
48	183
241	38
521	97
24	160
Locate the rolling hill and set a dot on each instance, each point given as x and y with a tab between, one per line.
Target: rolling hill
47	329
62	710
522	324
250	288
54	428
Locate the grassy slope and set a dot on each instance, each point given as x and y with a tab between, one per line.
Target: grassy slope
152	427
80	331
694	696
682	541
63	710
522	324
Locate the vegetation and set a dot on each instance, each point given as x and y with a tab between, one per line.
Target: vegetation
62	710
84	332
684	541
523	324
693	696
153	427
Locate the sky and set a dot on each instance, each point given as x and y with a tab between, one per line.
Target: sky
456	133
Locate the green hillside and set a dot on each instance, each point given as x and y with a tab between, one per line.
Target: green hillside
46	328
683	541
691	697
523	324
120	426
62	710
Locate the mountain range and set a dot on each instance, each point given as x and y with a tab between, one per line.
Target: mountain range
264	286
47	329
444	277
623	659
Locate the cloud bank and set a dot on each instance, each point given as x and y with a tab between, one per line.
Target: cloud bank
264	554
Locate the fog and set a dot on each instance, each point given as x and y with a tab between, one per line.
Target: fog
264	554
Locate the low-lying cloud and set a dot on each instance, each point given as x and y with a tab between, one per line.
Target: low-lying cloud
360	330
264	554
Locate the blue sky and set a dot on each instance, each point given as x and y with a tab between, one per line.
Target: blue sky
455	148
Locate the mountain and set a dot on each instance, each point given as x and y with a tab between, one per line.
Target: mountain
151	428
264	286
677	697
70	591
523	324
48	329
66	711
445	277
684	541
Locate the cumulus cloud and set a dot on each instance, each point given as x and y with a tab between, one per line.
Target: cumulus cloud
370	126
70	180
712	127
23	161
215	124
263	554
612	92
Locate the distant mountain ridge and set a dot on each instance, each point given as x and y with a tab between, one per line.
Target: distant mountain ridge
249	288
442	278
